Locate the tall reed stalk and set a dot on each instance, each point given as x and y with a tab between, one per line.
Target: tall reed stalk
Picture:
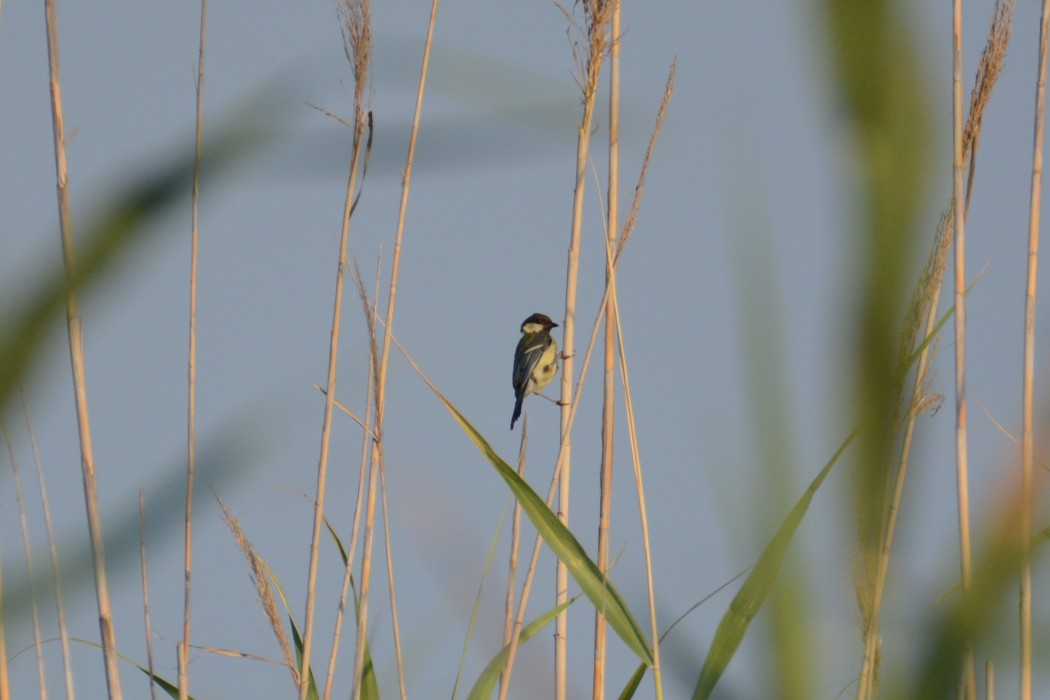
597	15
612	228
357	44
191	365
969	682
76	355
1028	376
45	504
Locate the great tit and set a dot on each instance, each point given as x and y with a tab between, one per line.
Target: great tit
535	360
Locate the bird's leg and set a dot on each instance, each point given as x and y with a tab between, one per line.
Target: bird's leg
553	401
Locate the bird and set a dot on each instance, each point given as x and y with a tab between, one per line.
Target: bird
535	360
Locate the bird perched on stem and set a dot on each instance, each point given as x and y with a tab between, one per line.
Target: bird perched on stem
535	360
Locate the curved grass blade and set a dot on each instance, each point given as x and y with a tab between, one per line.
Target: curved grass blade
477	600
485	686
559	538
753	593
296	637
369	685
168	687
633	682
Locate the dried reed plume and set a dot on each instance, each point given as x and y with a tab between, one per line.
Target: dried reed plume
355	23
261	578
927	292
921	318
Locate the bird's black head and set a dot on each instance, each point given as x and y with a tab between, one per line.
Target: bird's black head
537	323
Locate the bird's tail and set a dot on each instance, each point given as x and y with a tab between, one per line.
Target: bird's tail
517	409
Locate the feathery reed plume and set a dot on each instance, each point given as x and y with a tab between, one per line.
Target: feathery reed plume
261	578
988	69
639	188
357	44
356	27
918	343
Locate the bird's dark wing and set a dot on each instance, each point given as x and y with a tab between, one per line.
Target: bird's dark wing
530	349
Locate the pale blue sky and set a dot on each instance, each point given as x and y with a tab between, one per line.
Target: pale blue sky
754	156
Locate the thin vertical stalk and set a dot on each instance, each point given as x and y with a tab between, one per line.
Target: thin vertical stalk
597	28
53	548
357	44
326	429
642	511
5	690
512	563
1028	383
969	683
866	686
526	589
388	329
145	596
394	620
628	229
191	369
38	645
76	354
366	440
609	375
927	296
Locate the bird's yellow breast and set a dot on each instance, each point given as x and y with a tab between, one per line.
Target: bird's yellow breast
546	368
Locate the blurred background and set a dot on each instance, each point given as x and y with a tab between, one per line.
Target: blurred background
738	295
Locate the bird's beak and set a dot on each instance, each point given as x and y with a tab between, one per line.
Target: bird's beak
554	325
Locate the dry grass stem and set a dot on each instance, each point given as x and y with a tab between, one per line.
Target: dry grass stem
144	572
512	560
572	408
357	43
191	365
27	549
361	422
636	461
366	441
921	317
45	504
371	484
1028	376
639	188
962	478
370	317
76	354
589	57
261	579
380	381
608	429
1006	433
5	685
